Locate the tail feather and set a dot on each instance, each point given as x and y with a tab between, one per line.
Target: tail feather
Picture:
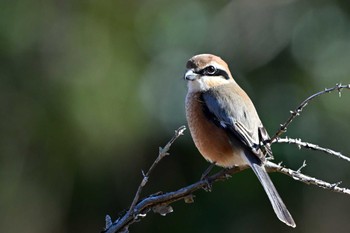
278	206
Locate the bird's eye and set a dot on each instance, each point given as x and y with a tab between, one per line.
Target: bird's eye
210	70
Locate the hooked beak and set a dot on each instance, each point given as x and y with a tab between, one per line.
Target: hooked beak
190	75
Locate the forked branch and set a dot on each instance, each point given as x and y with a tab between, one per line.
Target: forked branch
159	202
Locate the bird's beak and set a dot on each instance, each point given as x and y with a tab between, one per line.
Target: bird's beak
190	75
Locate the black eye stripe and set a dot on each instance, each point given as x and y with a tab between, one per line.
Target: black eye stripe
218	72
223	73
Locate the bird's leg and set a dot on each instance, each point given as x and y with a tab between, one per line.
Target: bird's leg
265	147
269	157
205	176
207	171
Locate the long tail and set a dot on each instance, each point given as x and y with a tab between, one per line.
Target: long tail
278	206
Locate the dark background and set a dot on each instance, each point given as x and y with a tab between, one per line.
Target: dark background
90	89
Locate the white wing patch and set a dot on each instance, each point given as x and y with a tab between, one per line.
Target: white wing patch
223	124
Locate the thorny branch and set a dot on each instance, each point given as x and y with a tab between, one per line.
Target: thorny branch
311	146
299	109
162	153
159	202
297	175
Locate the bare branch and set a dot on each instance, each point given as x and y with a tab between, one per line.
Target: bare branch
311	146
299	109
153	202
159	202
297	175
162	153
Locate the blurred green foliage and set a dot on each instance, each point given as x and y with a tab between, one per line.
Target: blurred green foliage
90	89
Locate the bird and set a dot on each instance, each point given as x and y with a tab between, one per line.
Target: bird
225	125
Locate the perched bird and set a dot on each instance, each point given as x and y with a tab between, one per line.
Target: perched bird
225	126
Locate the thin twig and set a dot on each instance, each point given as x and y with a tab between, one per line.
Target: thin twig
299	109
311	146
162	153
302	166
297	175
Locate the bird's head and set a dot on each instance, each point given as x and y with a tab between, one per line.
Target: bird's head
206	71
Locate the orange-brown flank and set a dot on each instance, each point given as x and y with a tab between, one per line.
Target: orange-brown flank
211	141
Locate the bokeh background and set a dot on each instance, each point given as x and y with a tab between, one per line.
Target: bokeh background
90	89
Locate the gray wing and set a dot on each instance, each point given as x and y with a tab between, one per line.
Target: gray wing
237	122
252	137
233	121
